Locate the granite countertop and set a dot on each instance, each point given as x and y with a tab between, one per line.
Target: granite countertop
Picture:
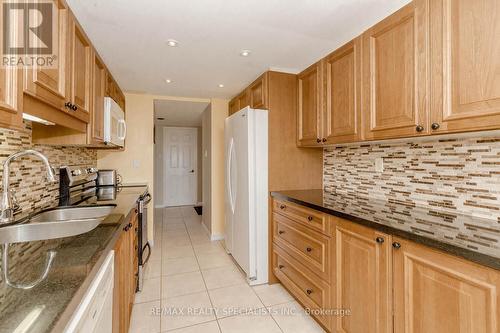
430	227
48	306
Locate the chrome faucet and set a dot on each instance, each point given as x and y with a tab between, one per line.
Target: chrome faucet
8	202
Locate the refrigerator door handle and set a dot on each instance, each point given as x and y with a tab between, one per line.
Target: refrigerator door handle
229	173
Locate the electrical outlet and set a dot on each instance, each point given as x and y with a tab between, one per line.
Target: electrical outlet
379	164
136	164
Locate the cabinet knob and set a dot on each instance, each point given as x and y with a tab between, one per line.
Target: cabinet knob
435	126
125	228
318	140
396	245
281	232
68	105
324	140
309	249
282	207
281	266
74	107
379	240
309	291
419	128
309	218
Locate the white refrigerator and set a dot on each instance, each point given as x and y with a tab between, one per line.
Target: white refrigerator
246	192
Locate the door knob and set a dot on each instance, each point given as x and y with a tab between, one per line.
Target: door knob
192	171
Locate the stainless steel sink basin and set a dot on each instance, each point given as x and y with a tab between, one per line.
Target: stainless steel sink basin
73	213
56	223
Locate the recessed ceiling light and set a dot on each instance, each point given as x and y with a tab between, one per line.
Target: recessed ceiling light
172	42
245	53
221	85
168	80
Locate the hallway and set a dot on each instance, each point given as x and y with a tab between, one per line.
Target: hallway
192	285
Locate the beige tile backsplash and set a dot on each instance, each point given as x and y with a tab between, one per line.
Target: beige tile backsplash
449	189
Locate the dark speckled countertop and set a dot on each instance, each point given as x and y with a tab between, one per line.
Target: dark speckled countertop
49	306
399	219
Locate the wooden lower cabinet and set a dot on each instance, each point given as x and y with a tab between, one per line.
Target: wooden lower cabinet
125	276
435	292
380	283
363	279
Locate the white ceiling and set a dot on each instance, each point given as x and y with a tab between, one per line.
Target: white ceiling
179	113
131	37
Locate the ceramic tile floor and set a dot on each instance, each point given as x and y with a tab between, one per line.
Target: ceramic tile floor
192	285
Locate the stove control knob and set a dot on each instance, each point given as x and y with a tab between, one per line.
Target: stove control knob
76	172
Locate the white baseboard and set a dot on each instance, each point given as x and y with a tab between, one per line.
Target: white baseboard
216	237
212	237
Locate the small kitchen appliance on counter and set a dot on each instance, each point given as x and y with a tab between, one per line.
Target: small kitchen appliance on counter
109	177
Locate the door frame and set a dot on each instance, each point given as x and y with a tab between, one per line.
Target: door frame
165	157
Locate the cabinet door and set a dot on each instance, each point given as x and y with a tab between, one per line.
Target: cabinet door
310	106
50	84
342	119
81	52
121	292
99	91
243	100
363	279
395	79
258	93
436	292
11	97
466	65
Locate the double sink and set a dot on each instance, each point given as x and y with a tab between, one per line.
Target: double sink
55	223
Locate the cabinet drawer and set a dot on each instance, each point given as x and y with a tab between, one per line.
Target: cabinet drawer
309	217
312	292
308	247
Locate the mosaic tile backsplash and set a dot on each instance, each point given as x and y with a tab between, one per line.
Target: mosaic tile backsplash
444	189
27	176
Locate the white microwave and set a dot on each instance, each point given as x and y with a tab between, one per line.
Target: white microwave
115	128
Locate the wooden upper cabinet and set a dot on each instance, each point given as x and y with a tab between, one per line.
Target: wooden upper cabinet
11	93
258	93
243	100
435	292
80	56
113	91
342	118
99	78
310	106
49	85
466	65
233	106
395	74
363	279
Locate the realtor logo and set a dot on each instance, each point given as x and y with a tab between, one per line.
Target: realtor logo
28	33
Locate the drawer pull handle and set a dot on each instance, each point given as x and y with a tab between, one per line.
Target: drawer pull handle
309	218
309	249
379	240
309	291
281	232
282	207
281	266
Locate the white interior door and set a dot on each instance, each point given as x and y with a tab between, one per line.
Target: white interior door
181	169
